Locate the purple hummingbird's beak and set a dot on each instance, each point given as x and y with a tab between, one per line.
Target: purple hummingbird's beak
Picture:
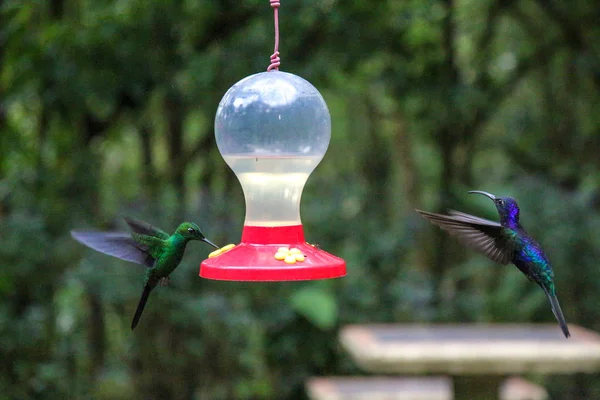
486	194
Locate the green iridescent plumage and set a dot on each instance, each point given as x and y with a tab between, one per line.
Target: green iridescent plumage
146	245
504	242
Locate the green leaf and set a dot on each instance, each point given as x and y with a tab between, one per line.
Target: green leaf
317	304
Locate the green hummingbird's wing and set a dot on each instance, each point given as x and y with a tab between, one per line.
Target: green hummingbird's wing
145	228
116	244
485	236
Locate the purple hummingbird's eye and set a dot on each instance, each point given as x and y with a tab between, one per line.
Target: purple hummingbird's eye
500	202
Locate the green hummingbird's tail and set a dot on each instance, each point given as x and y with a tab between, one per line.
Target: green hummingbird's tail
557	311
141	305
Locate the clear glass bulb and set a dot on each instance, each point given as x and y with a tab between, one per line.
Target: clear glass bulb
272	129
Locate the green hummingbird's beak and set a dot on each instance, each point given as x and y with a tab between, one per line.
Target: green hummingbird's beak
486	194
205	240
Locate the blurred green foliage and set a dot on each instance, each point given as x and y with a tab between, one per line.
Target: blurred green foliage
106	109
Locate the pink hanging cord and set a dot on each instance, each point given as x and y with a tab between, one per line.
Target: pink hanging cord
275	60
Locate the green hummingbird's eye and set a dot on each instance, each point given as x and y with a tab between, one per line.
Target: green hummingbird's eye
191	230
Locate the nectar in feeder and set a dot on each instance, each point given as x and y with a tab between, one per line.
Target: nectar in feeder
273	129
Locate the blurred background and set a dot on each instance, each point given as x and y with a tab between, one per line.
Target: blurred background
107	109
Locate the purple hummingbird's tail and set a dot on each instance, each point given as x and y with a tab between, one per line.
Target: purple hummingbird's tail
141	305
557	311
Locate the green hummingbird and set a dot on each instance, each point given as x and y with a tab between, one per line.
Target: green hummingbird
504	242
147	245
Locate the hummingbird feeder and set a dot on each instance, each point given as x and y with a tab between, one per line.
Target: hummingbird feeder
272	129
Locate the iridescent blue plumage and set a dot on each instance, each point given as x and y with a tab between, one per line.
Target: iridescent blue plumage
504	242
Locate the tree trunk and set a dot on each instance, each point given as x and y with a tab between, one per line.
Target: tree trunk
173	107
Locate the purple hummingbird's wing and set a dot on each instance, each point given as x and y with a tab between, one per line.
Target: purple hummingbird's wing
116	244
471	218
487	237
145	228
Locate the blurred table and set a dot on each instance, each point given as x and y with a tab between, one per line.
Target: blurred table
478	357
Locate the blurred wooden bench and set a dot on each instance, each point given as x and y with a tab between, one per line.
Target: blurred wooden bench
409	388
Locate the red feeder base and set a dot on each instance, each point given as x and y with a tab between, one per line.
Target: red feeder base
254	258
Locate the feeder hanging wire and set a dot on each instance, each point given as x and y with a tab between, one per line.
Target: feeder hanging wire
275	60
